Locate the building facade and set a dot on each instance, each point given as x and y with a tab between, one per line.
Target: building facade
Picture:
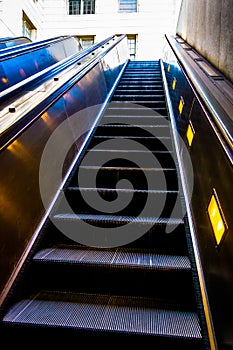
144	21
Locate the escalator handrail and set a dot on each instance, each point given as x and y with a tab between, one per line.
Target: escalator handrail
215	114
51	71
8	52
11	133
6	39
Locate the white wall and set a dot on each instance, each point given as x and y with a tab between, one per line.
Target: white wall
150	23
11	12
50	17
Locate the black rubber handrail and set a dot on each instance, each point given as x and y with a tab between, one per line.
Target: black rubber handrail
217	117
51	71
18	127
8	52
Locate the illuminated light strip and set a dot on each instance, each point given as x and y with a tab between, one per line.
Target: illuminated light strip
190	133
217	218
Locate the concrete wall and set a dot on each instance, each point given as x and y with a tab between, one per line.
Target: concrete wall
207	26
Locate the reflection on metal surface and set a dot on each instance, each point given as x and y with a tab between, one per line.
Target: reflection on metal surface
21	152
216	217
22	73
4	80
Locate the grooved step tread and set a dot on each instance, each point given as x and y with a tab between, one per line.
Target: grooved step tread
119	219
135	315
118	190
141	258
117	168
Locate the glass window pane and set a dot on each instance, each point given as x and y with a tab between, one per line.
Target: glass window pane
128	6
74	7
88	7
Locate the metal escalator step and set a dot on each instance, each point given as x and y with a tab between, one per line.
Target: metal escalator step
162	143
146	258
141	87
143	92
165	158
134	120
131	110
119	190
131	126
141	97
139	197
143	81
103	313
126	168
133	130
153	105
108	176
141	76
119	220
149	102
148	71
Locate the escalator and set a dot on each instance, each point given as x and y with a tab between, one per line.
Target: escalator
10	42
27	45
144	285
23	61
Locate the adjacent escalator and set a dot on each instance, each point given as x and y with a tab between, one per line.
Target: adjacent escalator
9	42
21	62
145	287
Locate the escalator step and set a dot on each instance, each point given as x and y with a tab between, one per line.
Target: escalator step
130	110
161	143
142	258
103	313
118	220
132	130
134	120
153	92
141	87
165	158
142	98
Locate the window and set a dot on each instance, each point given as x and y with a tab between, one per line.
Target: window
127	5
131	40
81	7
86	41
28	29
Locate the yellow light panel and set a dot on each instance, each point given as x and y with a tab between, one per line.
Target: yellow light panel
174	84
190	134
216	218
169	68
181	105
